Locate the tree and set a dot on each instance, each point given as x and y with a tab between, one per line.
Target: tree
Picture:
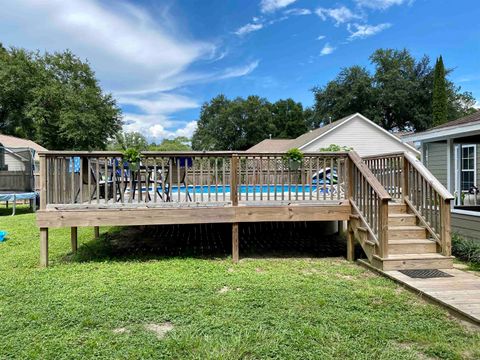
233	124
241	123
397	95
350	92
55	100
439	101
288	119
180	143
128	140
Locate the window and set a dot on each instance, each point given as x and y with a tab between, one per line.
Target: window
468	163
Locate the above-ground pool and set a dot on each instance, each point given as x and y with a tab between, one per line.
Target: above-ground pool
246	189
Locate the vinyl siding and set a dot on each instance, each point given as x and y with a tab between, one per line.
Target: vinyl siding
13	163
466	226
363	137
436	160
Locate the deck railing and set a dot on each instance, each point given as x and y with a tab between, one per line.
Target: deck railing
370	201
388	170
105	179
406	178
429	199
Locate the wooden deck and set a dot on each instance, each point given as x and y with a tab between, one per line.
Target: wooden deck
460	293
102	189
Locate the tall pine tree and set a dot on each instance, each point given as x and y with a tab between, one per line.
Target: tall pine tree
439	101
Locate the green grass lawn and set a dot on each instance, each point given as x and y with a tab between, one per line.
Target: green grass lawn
105	307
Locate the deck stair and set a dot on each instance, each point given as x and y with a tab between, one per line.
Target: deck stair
408	244
417	232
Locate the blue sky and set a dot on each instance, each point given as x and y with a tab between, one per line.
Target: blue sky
163	59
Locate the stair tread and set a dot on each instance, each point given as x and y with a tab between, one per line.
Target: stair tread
405	227
401	215
424	256
410	241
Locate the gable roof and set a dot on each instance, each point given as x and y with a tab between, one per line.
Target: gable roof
310	136
469	119
16	142
280	145
272	145
467	125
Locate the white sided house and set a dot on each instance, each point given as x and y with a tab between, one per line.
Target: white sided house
354	131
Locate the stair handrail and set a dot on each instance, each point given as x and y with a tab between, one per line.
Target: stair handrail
370	200
429	200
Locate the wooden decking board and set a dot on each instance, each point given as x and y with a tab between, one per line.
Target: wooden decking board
191	215
460	293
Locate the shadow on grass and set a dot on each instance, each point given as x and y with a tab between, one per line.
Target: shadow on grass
20	210
208	241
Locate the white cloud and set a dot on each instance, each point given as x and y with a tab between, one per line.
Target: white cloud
341	14
321	37
187	130
298	12
248	29
327	50
269	6
157	131
141	58
381	4
162	103
363	31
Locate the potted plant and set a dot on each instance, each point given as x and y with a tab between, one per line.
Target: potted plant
294	157
133	157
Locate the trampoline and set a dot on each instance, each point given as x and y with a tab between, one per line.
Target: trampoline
17	167
16	196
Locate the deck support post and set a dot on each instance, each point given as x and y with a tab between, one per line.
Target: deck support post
341	227
73	239
235	243
43	247
350	243
96	231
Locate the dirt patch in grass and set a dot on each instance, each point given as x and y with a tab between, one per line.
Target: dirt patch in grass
121	330
159	329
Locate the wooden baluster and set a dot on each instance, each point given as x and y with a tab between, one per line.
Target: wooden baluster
310	176
254	179
209	176
339	177
234	180
44	183
201	179
216	179
445	236
282	171
89	178
72	180
260	177
324	170
179	169
97	178
268	177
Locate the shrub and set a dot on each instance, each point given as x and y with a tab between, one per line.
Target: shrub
336	148
294	155
466	250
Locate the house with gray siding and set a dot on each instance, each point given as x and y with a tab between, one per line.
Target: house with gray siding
451	152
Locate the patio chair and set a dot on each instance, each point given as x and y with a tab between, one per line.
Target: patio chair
176	173
145	175
89	177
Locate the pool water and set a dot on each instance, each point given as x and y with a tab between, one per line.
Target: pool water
250	189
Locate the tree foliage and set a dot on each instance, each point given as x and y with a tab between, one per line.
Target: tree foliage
180	143
397	95
238	124
55	100
128	140
439	101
